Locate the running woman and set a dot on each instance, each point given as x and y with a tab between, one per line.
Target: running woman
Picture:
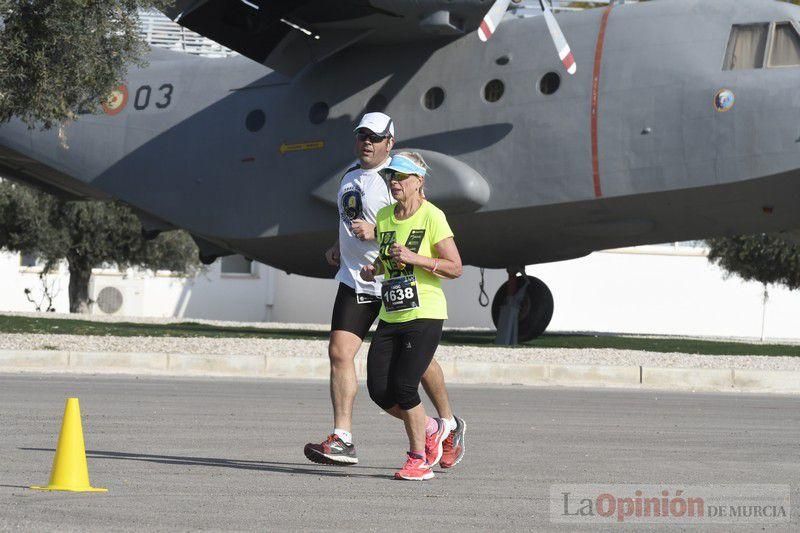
416	250
362	193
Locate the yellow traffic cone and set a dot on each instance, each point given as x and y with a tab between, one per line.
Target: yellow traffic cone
70	471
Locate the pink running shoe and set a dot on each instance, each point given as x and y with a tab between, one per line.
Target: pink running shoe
454	447
415	469
433	443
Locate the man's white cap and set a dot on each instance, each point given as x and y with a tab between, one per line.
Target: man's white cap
378	123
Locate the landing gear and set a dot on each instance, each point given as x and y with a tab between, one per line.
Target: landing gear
535	306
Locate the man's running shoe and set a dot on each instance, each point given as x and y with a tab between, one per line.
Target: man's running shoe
415	469
453	447
334	451
433	443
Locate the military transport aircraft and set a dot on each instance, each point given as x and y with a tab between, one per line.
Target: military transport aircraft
682	122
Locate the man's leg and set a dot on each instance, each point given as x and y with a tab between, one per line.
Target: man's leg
433	383
454	445
349	324
342	350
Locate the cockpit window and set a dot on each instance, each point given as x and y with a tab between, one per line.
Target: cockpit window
785	46
746	46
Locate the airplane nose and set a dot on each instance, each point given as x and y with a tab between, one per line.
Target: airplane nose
44	158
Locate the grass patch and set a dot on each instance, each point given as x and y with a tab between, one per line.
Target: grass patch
57	326
16	324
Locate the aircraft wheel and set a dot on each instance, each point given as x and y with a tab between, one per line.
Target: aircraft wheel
534	313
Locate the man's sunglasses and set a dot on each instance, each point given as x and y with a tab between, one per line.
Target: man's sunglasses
373	137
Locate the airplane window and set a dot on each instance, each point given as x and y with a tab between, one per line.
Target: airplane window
550	83
503	60
494	91
255	120
377	103
433	98
746	46
318	113
785	46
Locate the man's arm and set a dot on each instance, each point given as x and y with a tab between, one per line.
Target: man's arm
332	254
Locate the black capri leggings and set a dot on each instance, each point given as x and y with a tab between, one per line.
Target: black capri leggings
398	356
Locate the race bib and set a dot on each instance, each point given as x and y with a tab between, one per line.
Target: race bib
400	294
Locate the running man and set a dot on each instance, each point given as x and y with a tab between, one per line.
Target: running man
362	193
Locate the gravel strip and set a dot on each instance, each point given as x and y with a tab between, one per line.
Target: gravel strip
318	348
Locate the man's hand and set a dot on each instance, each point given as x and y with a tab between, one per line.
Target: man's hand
363	230
368	273
332	255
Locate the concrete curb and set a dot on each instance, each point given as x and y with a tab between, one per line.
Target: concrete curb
456	371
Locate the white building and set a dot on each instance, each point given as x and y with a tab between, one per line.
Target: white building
230	289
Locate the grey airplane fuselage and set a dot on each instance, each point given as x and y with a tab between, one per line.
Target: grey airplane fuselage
226	149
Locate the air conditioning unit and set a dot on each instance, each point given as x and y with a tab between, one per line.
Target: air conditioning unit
116	295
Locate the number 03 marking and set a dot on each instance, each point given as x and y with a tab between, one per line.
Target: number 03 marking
142	98
166	93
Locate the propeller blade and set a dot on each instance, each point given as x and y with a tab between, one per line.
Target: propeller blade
564	52
492	19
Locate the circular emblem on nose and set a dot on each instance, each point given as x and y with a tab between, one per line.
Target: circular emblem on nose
116	100
724	100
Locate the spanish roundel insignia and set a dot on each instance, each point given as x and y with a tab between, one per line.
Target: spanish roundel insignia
724	100
116	100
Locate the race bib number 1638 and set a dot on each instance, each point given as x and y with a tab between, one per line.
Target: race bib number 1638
400	294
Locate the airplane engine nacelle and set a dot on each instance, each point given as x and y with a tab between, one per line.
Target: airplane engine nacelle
452	185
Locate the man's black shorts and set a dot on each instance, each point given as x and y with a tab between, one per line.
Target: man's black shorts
349	315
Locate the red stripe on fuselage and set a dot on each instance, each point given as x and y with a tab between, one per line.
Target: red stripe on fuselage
569	61
485	27
598	61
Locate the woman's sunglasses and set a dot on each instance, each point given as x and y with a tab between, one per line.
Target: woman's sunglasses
399	176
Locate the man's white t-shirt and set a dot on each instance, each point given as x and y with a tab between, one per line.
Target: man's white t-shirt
362	193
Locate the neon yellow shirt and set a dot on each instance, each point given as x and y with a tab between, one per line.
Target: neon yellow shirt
429	223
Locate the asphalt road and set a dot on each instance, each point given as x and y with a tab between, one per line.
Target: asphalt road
180	454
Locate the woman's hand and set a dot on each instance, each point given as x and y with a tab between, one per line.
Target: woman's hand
368	272
403	256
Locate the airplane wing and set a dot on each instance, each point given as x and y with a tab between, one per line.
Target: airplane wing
287	35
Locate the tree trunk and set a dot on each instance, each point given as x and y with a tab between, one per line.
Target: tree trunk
80	272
